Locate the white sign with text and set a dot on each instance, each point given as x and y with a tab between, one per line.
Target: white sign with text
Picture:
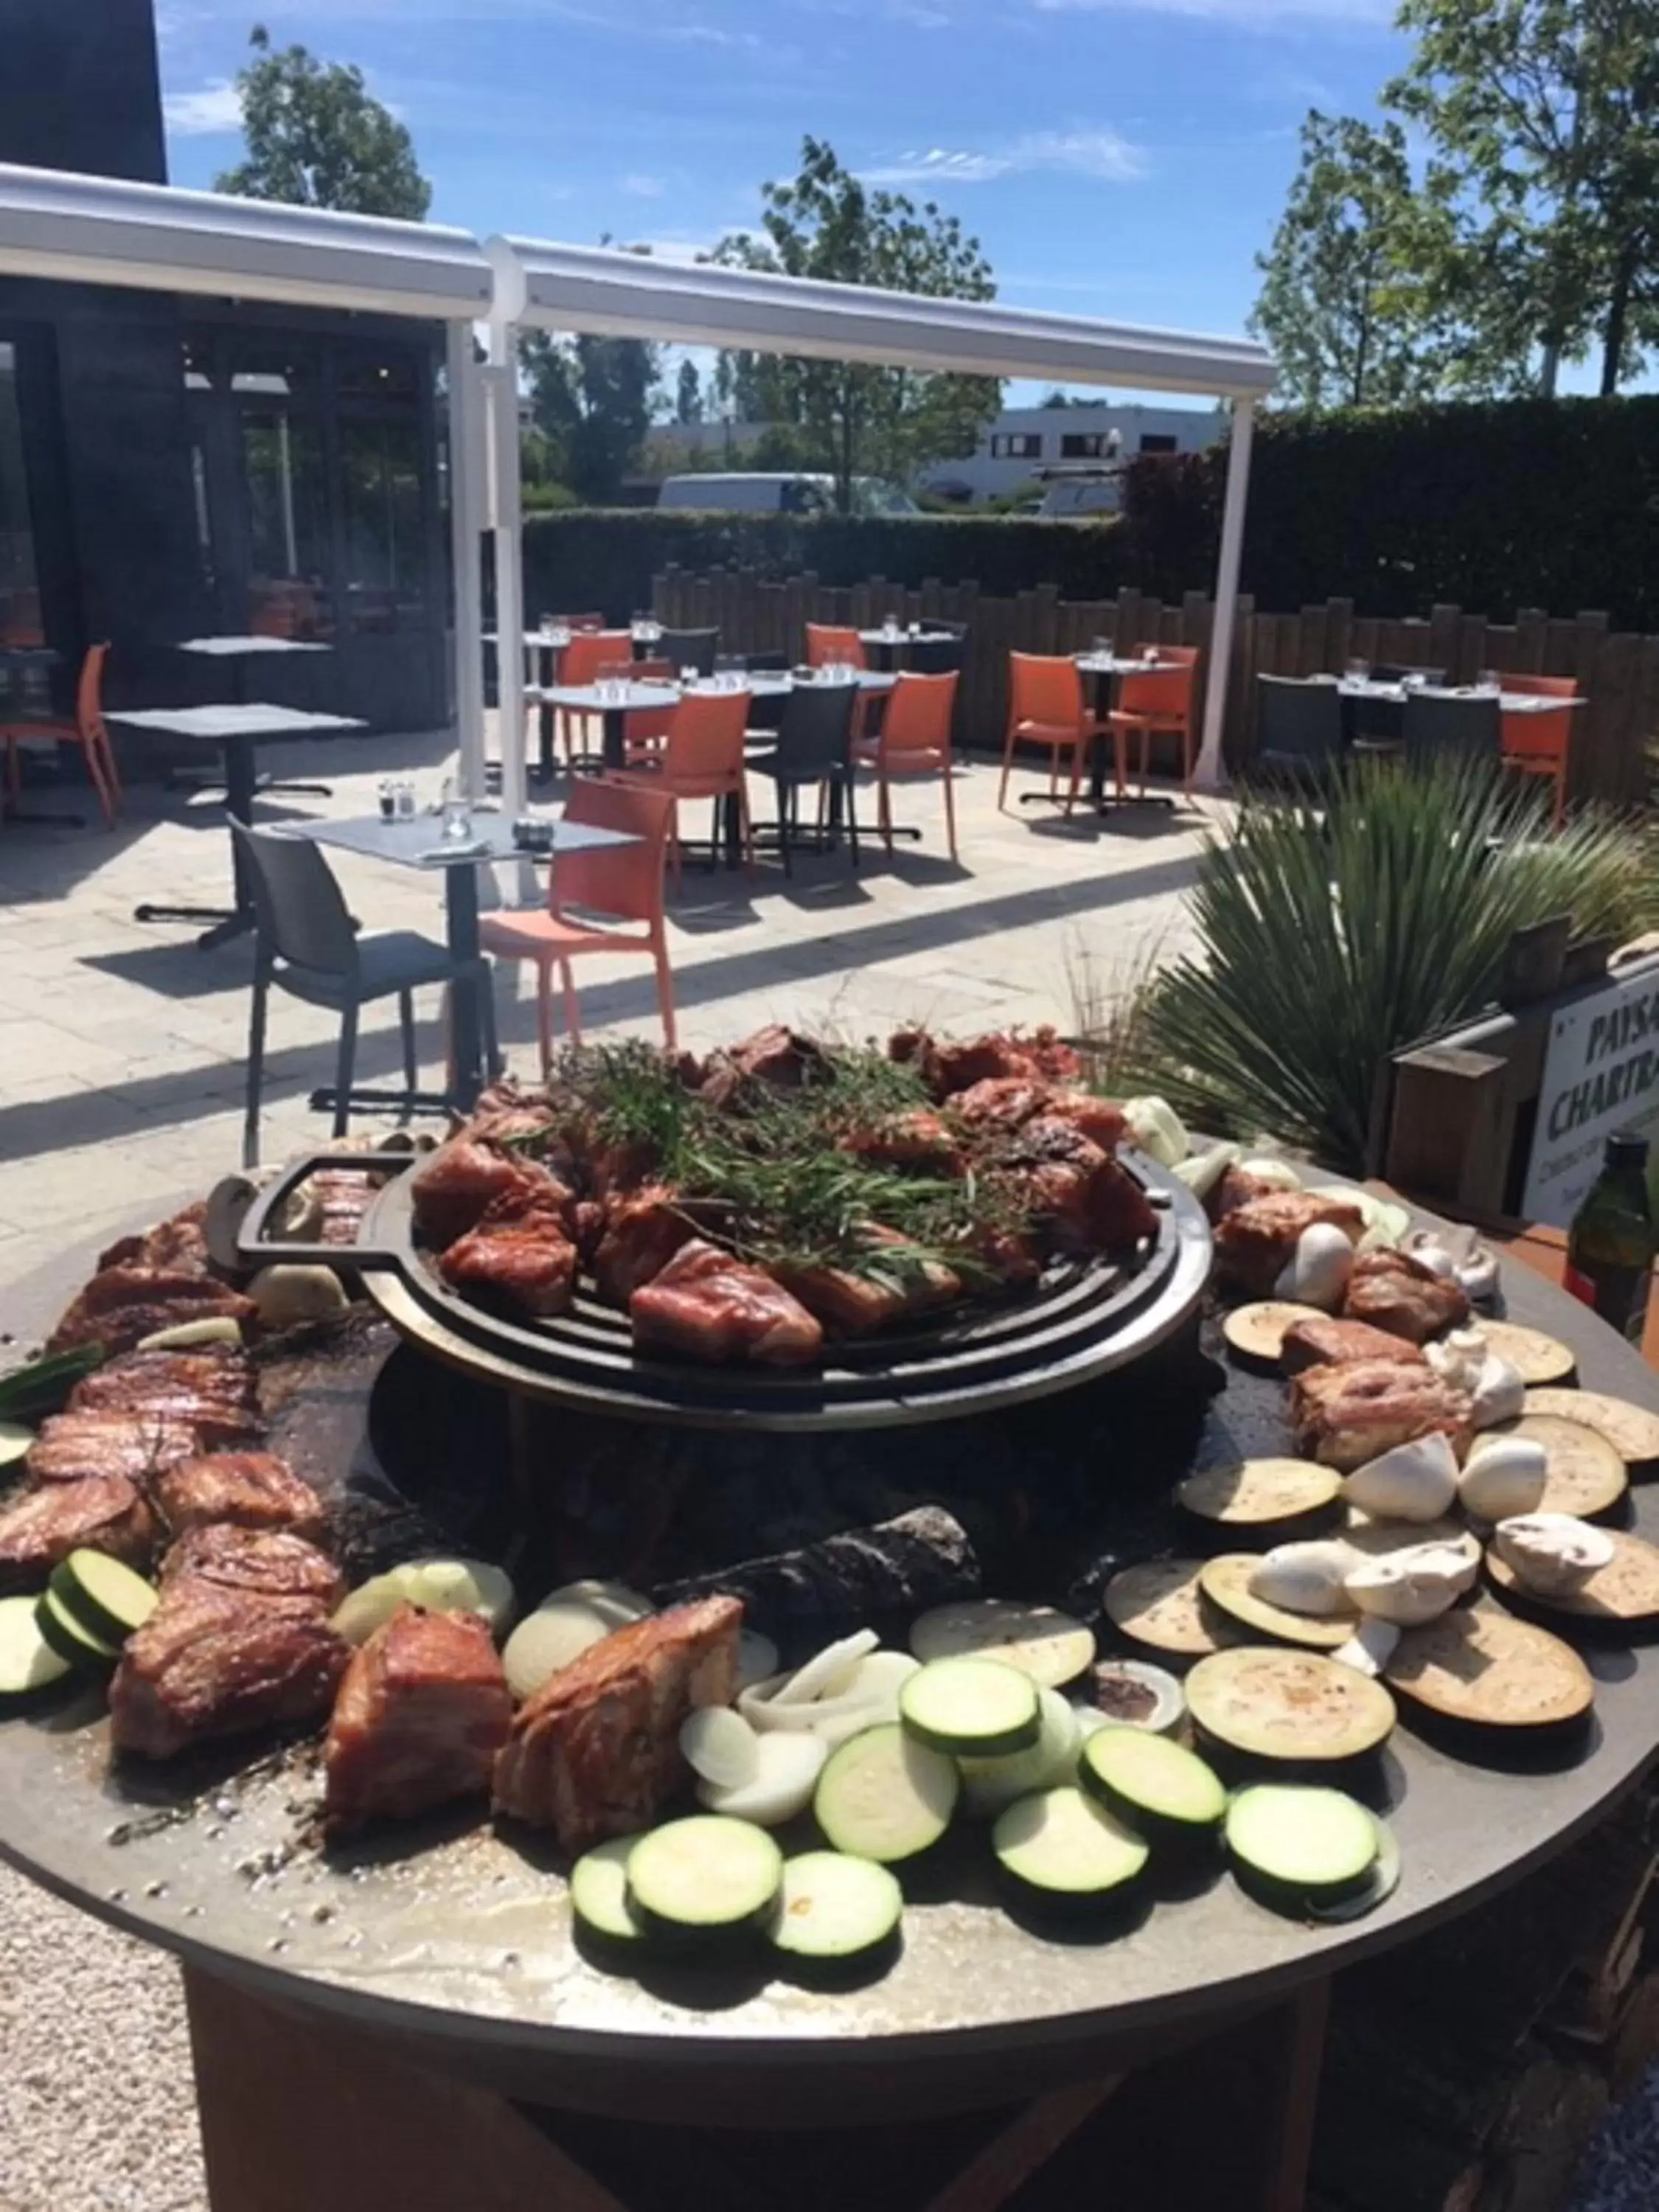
1601	1073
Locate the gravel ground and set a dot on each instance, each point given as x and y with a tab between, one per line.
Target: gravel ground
1621	2170
97	2111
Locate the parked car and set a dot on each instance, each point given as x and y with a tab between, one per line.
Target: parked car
780	491
1083	490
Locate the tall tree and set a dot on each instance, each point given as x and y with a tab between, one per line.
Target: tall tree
590	399
826	223
688	393
316	137
1544	115
1344	302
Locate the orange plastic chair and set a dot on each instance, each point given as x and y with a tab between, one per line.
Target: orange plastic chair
825	642
1158	706
1046	707
915	739
1541	745
645	735
86	730
703	758
587	652
623	882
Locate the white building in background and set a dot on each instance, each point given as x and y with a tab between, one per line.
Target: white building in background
1024	442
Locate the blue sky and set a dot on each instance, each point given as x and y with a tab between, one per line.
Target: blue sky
1120	157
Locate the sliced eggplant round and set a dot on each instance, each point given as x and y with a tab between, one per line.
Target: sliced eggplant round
1586	1477
703	1876
1049	1646
1060	1844
1298	1846
1536	1358
1625	1591
599	1891
1157	1604
1261	1493
884	1796
1159	1790
1255	1334
1299	1707
1481	1667
1226	1581
971	1708
1633	1430
833	1907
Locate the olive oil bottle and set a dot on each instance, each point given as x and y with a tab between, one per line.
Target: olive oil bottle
1610	1245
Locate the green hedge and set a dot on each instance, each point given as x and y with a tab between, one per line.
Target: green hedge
1488	506
604	559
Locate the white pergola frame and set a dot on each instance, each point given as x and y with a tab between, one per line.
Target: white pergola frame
79	230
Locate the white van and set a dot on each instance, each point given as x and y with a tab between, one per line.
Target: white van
780	491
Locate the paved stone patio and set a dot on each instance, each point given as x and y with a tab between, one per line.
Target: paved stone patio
121	1051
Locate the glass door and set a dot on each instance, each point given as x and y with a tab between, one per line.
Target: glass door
21	622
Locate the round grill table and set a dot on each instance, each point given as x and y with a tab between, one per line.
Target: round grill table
387	2001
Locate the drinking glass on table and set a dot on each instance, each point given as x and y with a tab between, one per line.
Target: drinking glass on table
403	792
889	626
1357	670
457	806
1150	655
1489	680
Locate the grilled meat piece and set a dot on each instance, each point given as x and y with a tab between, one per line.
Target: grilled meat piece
211	1662
421	1714
340	1197
262	1562
1101	1121
917	1139
520	1251
39	1528
1233	1189
1002	1102
641	1234
214	1392
853	1304
132	1299
956	1066
251	1490
464	1179
1324	1343
1394	1292
596	1751
1255	1241
1344	1416
707	1305
179	1244
71	1446
776	1055
1087	1200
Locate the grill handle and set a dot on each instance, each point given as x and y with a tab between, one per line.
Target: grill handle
239	1215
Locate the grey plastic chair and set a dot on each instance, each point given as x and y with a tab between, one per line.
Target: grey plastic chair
689	648
1442	724
934	656
814	746
1299	727
308	945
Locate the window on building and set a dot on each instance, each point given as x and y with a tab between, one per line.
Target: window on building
288	522
20	590
1155	441
382	518
1085	445
1017	445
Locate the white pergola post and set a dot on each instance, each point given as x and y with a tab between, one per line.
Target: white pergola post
1209	773
467	486
501	380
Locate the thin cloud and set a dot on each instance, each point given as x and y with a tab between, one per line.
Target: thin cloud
1248	15
212	111
643	187
1104	156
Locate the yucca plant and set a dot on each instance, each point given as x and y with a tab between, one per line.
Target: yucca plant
1328	941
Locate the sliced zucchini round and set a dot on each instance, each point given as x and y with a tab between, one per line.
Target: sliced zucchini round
27	1660
1060	1844
105	1597
599	1891
989	1784
1633	1430
971	1708
1049	1646
1379	1884
1155	1788
15	1441
1157	1604
1226	1583
1259	1494
835	1907
1297	1844
70	1639
1298	1706
884	1796
705	1875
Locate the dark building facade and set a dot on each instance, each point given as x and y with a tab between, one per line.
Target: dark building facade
171	465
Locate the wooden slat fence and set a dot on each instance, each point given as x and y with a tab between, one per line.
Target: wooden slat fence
1617	671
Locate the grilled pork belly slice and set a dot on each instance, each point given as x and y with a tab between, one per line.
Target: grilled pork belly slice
132	1299
421	1714
462	1179
917	1140
957	1066
105	1513
1325	1343
211	1662
251	1490
262	1562
642	1233
1398	1294
179	1243
853	1304
707	1305
519	1250
1087	1199
774	1054
1256	1240
72	1447
596	1751
1344	1416
215	1391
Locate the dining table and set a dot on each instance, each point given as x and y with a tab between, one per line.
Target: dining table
418	841
240	650
233	730
1102	673
1384	735
888	649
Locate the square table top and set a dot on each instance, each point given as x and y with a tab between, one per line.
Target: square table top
625	699
214	724
905	635
771	683
418	841
232	647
